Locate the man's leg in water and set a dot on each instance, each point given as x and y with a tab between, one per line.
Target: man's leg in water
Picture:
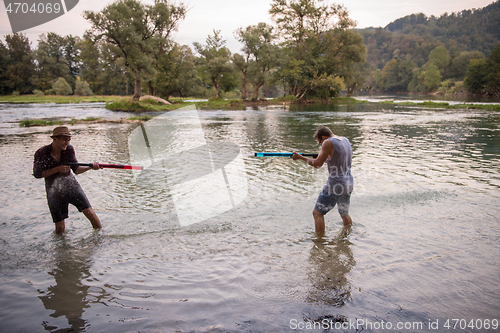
347	220
319	223
60	226
92	216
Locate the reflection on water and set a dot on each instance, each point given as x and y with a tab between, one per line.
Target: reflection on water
69	296
330	264
424	245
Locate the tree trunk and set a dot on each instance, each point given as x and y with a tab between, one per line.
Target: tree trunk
216	88
244	87
256	91
137	88
151	89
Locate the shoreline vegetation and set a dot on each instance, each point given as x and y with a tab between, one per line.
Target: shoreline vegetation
126	104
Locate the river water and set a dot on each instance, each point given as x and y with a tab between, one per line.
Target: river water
423	253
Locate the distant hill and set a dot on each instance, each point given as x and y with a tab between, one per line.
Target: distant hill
414	36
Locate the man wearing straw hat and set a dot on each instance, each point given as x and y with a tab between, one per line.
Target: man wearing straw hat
61	186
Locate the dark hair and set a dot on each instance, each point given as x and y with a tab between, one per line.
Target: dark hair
322	131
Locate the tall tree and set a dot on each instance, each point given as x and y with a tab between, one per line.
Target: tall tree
475	81
241	63
458	66
4	62
440	57
315	35
52	61
139	32
20	70
215	60
260	52
493	77
176	72
397	75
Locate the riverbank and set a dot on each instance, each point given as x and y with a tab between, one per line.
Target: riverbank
120	103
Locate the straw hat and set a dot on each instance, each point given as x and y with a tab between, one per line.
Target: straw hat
60	131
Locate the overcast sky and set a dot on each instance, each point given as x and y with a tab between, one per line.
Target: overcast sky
228	15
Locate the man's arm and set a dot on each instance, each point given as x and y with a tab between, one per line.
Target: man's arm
82	169
57	169
317	162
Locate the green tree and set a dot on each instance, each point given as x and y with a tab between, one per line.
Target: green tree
82	88
176	73
61	87
397	75
458	67
89	58
215	60
316	43
20	68
139	33
475	81
432	77
440	57
493	77
242	63
52	62
4	60
260	53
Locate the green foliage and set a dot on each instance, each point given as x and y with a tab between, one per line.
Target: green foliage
450	42
458	67
38	92
136	32
38	122
54	55
141	118
320	50
214	61
439	57
396	76
83	89
18	67
259	56
129	105
483	75
469	30
432	77
493	77
61	87
176	73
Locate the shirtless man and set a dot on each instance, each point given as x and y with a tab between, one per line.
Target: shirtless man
61	186
336	151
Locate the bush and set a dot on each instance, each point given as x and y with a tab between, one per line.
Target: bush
61	87
82	88
15	93
38	93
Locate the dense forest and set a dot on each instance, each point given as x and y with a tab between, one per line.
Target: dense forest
311	52
424	54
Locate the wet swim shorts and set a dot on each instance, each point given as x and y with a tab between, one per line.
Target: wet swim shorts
59	201
326	202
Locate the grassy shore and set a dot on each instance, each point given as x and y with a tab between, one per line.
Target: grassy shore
120	103
33	99
40	122
445	105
